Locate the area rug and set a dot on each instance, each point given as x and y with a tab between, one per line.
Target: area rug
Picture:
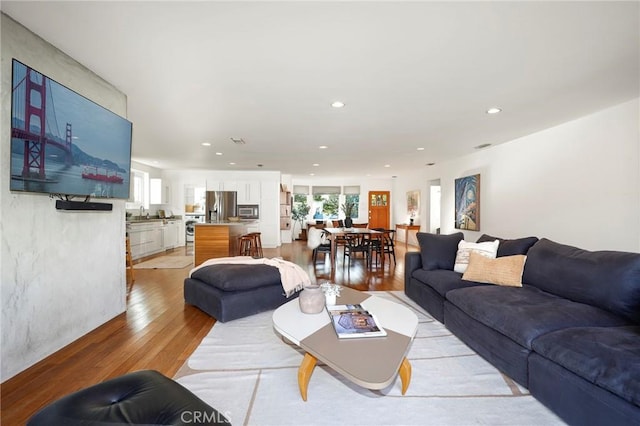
247	372
166	262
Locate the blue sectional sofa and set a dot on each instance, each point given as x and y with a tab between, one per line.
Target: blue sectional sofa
570	333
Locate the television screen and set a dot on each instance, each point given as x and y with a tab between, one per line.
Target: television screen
63	143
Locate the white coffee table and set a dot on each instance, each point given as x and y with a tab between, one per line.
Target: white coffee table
372	363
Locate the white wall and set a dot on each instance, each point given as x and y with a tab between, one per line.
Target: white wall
63	273
577	183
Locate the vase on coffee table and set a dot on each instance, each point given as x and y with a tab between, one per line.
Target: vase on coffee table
311	299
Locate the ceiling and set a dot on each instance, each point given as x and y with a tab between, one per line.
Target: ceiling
416	77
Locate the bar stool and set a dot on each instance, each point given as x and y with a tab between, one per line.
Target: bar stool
129	262
256	248
245	245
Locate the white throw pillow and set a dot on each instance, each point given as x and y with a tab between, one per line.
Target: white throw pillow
487	249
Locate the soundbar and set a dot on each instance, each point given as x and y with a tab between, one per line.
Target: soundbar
83	205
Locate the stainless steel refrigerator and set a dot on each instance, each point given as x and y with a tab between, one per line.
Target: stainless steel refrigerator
220	205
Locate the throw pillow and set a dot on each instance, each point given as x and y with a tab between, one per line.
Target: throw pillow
504	271
438	251
488	249
510	247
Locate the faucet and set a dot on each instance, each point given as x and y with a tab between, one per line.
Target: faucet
141	211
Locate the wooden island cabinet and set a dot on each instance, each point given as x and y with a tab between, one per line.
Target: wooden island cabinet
214	240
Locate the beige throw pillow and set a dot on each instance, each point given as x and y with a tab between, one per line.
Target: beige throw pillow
505	271
488	249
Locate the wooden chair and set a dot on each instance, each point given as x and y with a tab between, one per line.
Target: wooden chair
357	244
389	244
129	263
316	241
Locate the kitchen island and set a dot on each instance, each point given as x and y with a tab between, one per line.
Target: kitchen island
217	239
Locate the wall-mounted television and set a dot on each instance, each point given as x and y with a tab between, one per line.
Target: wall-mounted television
62	143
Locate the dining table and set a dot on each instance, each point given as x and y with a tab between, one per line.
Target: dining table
335	232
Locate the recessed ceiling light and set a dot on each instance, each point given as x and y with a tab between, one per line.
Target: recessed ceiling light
337	104
205	144
420	149
232	163
218	153
387	165
312	174
315	165
323	147
493	110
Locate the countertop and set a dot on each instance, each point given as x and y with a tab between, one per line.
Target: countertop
226	223
152	219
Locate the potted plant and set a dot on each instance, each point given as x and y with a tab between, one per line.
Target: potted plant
299	214
347	209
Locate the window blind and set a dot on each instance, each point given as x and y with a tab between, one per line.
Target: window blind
325	190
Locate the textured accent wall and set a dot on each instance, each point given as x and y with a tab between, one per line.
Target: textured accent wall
62	272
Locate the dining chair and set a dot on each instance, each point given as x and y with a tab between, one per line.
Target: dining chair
389	244
318	243
357	244
376	247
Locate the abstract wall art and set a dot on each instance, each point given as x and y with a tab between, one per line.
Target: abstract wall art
468	203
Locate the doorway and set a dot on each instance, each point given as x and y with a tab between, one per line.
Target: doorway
379	214
434	206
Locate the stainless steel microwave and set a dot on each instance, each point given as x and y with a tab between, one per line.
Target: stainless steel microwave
248	211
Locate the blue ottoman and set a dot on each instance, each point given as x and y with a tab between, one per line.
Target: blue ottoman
232	291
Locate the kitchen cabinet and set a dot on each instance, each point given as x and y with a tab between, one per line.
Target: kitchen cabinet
171	234
214	185
248	192
145	238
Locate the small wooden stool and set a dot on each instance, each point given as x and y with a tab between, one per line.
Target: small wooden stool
129	263
256	249
245	245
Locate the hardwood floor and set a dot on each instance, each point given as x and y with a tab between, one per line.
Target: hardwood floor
158	331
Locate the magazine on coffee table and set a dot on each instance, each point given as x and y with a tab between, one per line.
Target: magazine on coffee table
353	321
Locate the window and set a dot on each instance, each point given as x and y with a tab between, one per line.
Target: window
325	206
355	200
140	193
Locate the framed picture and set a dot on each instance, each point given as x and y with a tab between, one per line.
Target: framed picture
468	203
413	203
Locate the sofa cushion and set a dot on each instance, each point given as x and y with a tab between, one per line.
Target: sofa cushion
524	313
438	251
607	279
510	247
506	270
143	397
606	356
442	280
238	277
465	248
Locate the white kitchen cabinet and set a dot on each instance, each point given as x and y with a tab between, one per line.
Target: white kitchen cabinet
171	234
145	238
229	185
214	185
248	192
